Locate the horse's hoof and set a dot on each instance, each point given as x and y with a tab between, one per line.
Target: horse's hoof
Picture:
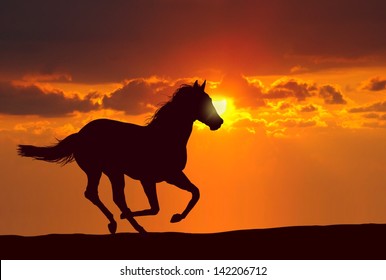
140	229
112	227
135	224
176	218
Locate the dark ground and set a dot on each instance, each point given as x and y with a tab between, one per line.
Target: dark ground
299	243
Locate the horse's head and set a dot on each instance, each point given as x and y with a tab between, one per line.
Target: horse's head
204	109
191	102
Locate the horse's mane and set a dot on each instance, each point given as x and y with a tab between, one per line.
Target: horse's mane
166	108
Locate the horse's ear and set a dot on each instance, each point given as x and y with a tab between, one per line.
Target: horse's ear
195	84
203	85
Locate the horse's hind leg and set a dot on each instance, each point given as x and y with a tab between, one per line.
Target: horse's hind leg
91	194
118	186
151	193
180	180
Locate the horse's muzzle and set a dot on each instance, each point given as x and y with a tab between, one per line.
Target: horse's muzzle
216	125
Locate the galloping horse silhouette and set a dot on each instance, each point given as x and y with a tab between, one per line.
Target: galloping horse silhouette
151	154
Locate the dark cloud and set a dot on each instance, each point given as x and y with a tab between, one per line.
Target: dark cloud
285	105
371	116
375	84
375	107
308	108
374	116
31	100
331	95
97	41
300	90
142	95
290	88
134	98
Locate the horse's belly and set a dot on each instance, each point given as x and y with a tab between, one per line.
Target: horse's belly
154	167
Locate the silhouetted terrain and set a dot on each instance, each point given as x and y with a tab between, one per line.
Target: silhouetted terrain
303	242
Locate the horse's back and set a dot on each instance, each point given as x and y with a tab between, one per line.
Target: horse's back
107	125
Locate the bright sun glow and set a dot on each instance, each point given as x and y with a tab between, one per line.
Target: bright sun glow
220	105
226	109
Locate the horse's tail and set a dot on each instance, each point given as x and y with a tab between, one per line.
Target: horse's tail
62	152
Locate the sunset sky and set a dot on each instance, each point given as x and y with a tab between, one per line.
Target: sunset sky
302	85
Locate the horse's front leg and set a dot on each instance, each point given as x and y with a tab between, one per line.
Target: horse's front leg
181	181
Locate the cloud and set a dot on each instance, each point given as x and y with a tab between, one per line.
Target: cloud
308	108
374	84
142	95
331	95
375	107
283	105
284	88
136	97
299	90
32	100
371	116
381	117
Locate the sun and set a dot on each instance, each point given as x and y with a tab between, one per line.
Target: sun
226	109
220	105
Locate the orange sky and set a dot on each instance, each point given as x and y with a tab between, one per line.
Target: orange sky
305	120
